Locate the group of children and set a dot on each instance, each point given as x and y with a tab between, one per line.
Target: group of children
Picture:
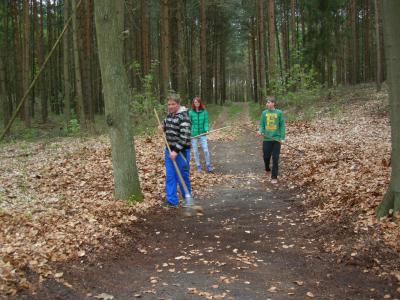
185	129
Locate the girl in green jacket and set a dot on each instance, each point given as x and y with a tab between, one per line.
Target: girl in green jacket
199	117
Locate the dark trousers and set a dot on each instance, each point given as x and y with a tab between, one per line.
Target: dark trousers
271	148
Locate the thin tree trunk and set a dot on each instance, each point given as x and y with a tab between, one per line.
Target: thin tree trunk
353	37
203	51
109	25
78	79
40	55
182	70
254	56
165	49
67	80
261	50
391	25
285	37
272	37
145	36
26	60
87	39
378	46
293	31
367	44
3	93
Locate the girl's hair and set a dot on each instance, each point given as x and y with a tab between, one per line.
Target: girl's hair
201	104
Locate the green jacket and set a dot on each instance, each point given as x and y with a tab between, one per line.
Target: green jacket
272	125
199	121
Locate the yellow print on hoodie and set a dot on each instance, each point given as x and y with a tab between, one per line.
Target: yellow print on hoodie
270	122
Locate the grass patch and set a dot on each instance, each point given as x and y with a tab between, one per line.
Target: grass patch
255	111
233	109
213	111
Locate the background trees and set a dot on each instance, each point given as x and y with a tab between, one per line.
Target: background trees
220	50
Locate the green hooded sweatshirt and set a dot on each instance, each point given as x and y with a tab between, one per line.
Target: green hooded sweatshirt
272	125
199	121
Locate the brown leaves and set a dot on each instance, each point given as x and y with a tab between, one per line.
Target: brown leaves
345	169
57	203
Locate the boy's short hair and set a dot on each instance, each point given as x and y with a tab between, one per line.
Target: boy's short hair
174	97
271	99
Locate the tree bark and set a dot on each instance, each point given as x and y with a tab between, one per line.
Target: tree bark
253	38
272	37
145	25
203	51
26	61
391	25
40	55
87	62
367	44
109	27
3	93
261	49
378	46
78	79
182	70
165	49
67	80
293	31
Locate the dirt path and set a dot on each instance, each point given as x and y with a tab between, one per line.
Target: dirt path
252	242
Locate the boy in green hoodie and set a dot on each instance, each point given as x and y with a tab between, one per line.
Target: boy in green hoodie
272	128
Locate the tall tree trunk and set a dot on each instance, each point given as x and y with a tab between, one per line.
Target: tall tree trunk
391	25
261	49
50	40
26	60
87	62
67	80
3	93
182	70
109	25
164	49
191	60
203	51
5	108
354	53
42	83
367	43
285	37
293	30
254	57
145	25
78	80
378	46
272	37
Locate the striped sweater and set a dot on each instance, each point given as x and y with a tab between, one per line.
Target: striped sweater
177	128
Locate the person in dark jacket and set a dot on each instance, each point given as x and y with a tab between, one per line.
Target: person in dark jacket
177	128
199	118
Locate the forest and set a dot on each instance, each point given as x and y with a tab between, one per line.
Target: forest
218	50
82	166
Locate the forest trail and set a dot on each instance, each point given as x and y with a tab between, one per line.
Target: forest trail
253	242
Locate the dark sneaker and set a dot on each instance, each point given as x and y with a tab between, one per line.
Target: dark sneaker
167	205
210	169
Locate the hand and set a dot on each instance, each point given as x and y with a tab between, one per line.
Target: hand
160	129
282	141
173	155
259	133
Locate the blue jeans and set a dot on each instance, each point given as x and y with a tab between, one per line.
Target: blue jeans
172	179
204	146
